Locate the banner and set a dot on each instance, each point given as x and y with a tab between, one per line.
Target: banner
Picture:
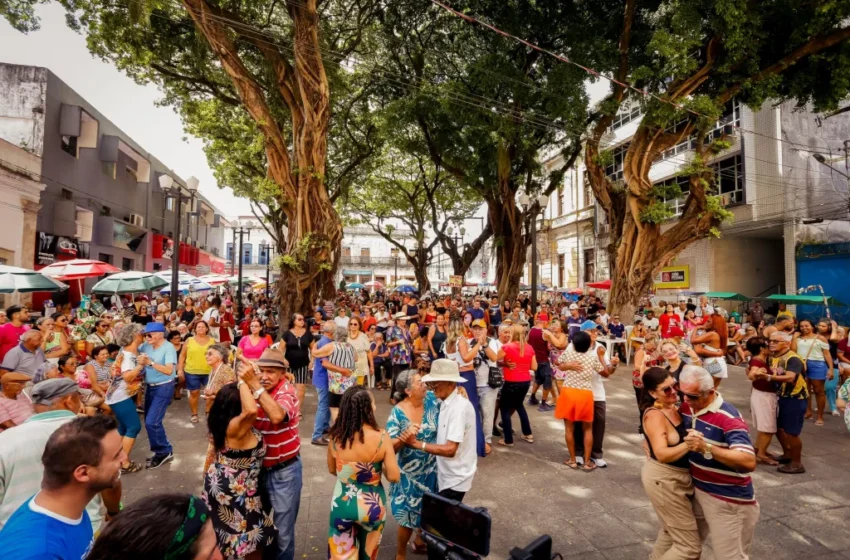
56	247
127	236
456	281
673	278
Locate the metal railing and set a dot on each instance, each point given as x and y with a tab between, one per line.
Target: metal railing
349	260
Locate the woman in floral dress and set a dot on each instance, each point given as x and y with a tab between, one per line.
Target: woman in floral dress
418	410
243	524
359	452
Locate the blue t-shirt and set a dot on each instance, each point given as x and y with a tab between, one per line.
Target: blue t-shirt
476	313
33	533
573	325
165	354
320	374
617	330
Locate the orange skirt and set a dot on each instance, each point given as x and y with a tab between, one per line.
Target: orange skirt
575	405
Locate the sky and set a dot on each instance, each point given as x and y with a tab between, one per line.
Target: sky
130	106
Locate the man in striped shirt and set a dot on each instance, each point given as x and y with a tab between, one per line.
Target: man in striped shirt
277	420
721	458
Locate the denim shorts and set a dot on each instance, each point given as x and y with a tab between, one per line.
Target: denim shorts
816	370
790	416
196	382
543	375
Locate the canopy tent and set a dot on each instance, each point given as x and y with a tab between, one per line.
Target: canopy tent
188	286
234	280
23	280
181	275
733	296
132	282
804	299
604	285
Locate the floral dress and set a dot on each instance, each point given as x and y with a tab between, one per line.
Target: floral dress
358	510
844	394
231	490
418	468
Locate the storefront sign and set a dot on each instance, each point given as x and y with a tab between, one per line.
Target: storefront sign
456	281
673	277
127	236
52	248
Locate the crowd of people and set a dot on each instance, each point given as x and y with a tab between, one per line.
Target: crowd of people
455	369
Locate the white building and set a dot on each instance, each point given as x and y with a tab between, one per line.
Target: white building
366	256
257	252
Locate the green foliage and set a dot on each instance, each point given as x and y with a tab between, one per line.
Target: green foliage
714	205
605	158
656	212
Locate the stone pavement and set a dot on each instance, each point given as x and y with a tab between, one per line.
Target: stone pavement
528	491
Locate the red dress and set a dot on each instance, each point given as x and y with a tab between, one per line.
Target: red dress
224	333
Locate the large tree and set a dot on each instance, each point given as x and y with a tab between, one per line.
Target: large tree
487	108
271	59
690	59
408	190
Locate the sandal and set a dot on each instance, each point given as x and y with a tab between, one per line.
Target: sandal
818	422
419	548
572	464
502	442
131	468
529	439
767	461
194	419
487	449
589	466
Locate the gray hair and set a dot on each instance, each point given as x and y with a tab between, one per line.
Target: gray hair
402	384
127	334
30	334
220	350
695	374
783	336
329	327
504	328
341	335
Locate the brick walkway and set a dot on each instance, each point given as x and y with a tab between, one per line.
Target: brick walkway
603	514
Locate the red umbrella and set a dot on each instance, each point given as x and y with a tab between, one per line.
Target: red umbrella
77	269
575	291
604	285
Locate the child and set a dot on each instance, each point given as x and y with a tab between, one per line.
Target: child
575	403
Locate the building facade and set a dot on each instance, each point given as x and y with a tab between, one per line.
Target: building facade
367	257
102	197
257	251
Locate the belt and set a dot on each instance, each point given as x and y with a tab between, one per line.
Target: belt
158	384
281	465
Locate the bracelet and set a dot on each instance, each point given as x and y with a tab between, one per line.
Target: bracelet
423	446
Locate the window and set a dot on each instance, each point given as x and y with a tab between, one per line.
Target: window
394	251
561	200
246	253
561	270
725	125
67	195
589	265
108	168
589	199
729	183
69	145
126	264
364	252
614	170
230	252
346	251
263	255
105	257
626	114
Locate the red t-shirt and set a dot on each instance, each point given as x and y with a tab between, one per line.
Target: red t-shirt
541	347
670	326
10	336
282	441
368	322
762	384
521	371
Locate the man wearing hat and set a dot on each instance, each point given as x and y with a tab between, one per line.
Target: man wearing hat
277	420
15	407
56	402
574	321
457	458
160	360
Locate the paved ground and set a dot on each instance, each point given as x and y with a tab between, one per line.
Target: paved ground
603	514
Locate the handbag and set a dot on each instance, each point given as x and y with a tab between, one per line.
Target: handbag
713	367
495	378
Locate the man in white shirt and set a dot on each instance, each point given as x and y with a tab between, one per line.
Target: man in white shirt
704	309
211	316
341	319
651	321
682	309
457	457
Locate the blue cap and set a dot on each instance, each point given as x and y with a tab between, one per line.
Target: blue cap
154	326
589	326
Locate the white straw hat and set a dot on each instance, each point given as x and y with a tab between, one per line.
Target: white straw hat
443	370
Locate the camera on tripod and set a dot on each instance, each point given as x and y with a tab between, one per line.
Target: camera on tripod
455	531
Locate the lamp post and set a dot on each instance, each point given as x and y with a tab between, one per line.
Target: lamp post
175	192
540	204
244	228
268	268
233	255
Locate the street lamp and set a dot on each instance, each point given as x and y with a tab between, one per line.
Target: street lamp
244	228
175	192
822	160
541	203
268	268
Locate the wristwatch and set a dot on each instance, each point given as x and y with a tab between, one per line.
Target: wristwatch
423	446
707	453
258	392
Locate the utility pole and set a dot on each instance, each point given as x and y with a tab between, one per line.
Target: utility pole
244	228
233	253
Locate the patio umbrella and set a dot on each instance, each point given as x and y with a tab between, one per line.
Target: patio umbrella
604	285
575	291
213	279
14	279
374	284
405	289
132	282
354	286
405	282
186	286
245	280
524	287
78	269
181	275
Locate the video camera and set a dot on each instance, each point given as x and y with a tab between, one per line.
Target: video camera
455	531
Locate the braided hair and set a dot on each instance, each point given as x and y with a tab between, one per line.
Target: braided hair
355	411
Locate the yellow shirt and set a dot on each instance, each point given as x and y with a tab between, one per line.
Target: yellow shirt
196	361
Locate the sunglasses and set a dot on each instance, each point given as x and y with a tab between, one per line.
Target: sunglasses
148	335
671	389
690	397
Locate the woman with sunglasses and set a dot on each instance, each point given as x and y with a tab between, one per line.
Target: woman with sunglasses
666	473
360	342
142	317
54	345
297	344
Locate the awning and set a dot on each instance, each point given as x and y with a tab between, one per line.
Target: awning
604	285
804	299
734	296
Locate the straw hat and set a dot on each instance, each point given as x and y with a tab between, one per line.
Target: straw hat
443	370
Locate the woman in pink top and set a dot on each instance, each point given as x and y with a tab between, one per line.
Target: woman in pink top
519	359
251	347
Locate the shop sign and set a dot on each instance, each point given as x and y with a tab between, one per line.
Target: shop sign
56	247
456	281
673	277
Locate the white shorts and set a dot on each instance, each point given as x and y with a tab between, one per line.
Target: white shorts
724	371
764	408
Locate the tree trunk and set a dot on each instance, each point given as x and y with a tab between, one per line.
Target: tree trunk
421	272
511	247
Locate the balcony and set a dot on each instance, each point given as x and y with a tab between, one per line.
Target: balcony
349	260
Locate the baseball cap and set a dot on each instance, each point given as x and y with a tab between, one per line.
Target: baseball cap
154	326
589	326
479	323
573	306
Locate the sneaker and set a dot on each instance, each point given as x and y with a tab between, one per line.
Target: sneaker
600	463
836	413
579	460
533	400
545	408
158	460
497	432
321	441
